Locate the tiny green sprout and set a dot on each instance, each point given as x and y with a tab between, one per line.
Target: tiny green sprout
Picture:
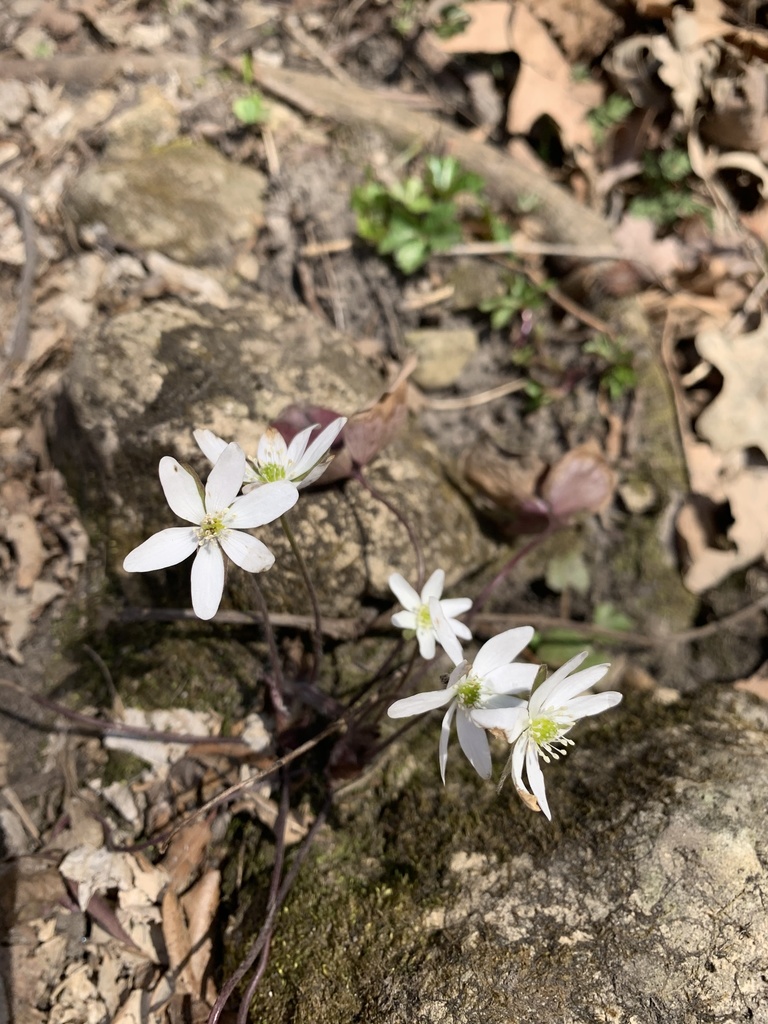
665	197
618	376
521	294
609	115
451	21
251	109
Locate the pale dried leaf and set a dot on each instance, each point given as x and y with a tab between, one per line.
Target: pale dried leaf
545	86
22	532
180	720
19	610
582	481
747	495
487	31
182	280
758	685
738	416
661	258
96	870
689	58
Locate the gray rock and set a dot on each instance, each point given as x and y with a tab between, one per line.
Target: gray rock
185	200
644	901
442	354
140	383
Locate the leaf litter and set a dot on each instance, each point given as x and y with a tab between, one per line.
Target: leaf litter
148	941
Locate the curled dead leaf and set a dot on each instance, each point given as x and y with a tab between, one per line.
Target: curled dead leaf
582	481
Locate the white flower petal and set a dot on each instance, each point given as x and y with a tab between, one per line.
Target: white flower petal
298	446
512	721
536	778
445	635
246	551
453	606
314	474
419	703
262	505
502	649
518	759
207	580
225	479
320	446
445	733
567	689
168	547
433	587
592	704
514	678
541	696
404	592
210	444
181	490
272	448
460	630
404	620
474	743
426	639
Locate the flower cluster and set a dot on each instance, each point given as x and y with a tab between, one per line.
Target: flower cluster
495	694
219	513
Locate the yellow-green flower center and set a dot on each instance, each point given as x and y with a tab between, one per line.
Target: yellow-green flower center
543	730
469	692
271	472
211	526
423	618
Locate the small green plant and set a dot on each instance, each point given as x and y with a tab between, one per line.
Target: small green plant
618	377
252	108
521	294
608	115
414	218
666	198
451	21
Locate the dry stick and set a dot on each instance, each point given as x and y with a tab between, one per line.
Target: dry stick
317	633
100	69
120	728
564	219
375	493
18	341
489	625
337	629
473	401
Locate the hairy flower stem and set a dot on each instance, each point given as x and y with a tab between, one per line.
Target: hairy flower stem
317	635
275	681
265	935
375	493
518	556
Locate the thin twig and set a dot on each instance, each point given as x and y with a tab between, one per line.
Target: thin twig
522	247
473	401
336	629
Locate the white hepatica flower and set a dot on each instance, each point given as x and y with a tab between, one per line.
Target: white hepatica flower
218	517
489	682
538	728
299	462
417	616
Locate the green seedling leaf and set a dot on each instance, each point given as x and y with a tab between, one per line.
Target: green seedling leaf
607	616
568	571
251	109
